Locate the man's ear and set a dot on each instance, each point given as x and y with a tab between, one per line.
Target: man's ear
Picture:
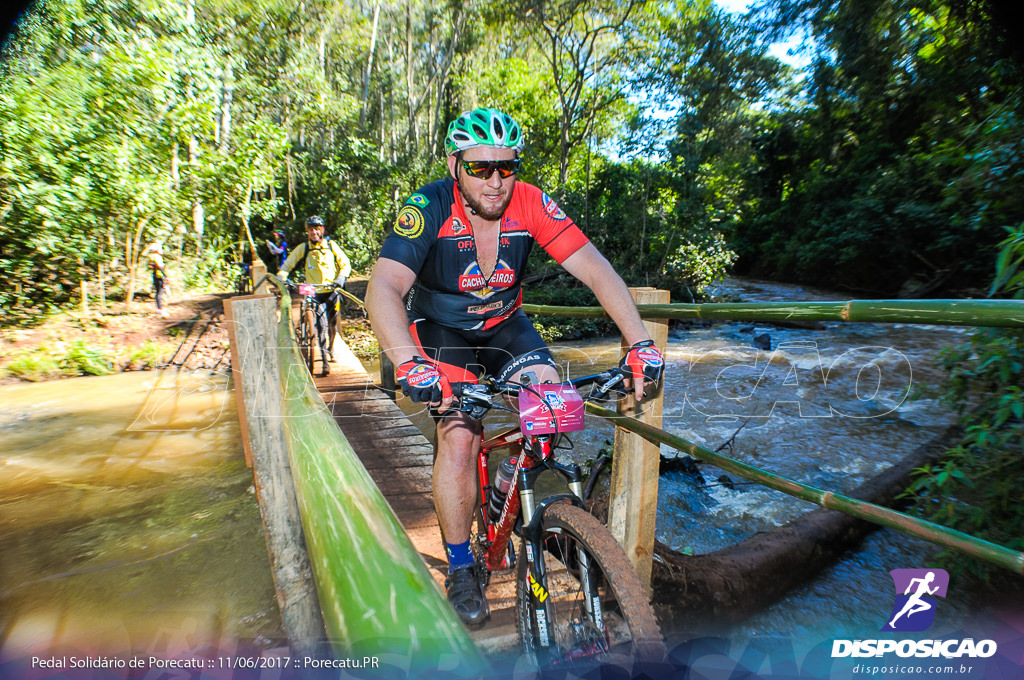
452	167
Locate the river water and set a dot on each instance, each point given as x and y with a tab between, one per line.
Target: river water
829	407
128	521
127	518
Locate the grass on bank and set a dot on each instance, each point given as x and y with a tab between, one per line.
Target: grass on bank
79	358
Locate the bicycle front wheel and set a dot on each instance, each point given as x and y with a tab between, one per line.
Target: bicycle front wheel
582	602
307	337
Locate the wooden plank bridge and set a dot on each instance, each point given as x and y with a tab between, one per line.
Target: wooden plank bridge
399	458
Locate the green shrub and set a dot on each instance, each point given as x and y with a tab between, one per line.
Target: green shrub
33	366
150	354
976	487
81	359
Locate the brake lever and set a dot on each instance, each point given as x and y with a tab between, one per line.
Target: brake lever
605	391
479	401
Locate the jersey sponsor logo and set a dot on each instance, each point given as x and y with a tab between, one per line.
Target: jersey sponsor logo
410	222
552	209
472	280
483	309
503	278
419	199
453	228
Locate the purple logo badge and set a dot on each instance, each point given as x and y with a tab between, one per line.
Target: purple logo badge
916	589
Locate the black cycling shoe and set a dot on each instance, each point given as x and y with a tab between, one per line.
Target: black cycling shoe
466	596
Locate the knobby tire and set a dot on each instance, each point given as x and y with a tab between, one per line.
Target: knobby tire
627	626
307	338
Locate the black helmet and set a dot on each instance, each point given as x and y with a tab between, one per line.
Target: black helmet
315	221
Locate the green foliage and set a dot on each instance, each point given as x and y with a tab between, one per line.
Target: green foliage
565	292
976	487
664	129
60	361
150	354
33	366
904	157
80	359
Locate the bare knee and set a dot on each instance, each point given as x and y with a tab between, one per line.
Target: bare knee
458	438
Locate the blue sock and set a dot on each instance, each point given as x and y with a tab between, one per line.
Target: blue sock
459	555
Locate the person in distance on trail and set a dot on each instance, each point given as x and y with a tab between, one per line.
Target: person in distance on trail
155	255
278	248
460	245
323	262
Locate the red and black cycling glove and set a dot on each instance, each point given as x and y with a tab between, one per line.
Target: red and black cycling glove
643	362
422	381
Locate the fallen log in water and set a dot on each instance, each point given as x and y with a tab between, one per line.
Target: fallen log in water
733	583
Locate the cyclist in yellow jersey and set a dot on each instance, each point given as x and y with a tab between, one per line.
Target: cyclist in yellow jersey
324	262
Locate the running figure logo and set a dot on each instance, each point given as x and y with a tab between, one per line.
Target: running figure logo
915	609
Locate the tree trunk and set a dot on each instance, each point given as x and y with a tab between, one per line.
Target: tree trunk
227	95
369	67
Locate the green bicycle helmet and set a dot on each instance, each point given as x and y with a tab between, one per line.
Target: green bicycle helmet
483	127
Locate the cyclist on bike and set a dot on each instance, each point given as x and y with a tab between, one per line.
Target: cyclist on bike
460	245
325	262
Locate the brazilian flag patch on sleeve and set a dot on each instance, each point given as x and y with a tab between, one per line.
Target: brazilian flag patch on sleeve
419	199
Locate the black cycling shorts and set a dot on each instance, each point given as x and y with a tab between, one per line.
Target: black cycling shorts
465	355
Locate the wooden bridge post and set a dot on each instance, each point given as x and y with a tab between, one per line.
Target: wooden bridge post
633	502
260	284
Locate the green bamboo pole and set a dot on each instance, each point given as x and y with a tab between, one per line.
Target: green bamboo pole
377	598
1001	313
947	538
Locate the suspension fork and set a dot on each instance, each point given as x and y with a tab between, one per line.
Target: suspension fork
533	514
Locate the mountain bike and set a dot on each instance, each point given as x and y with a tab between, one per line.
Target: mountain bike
307	333
578	598
243	282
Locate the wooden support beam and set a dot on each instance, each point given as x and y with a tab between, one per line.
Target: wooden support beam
633	502
256	368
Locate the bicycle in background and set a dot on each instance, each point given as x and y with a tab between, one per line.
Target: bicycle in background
578	598
243	281
307	332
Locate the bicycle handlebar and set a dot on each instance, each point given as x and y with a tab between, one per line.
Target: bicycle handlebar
294	287
477	399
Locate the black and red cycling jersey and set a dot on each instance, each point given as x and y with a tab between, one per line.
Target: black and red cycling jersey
434	238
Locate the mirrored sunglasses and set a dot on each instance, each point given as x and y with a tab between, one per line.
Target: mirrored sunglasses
484	169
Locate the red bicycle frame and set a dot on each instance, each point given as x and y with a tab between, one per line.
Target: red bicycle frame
498	532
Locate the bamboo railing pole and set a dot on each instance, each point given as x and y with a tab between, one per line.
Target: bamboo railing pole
376	595
934	533
997	313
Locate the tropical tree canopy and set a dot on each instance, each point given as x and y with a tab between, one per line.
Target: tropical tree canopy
889	165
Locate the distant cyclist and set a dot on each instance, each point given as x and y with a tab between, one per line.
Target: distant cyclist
460	245
278	248
323	262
